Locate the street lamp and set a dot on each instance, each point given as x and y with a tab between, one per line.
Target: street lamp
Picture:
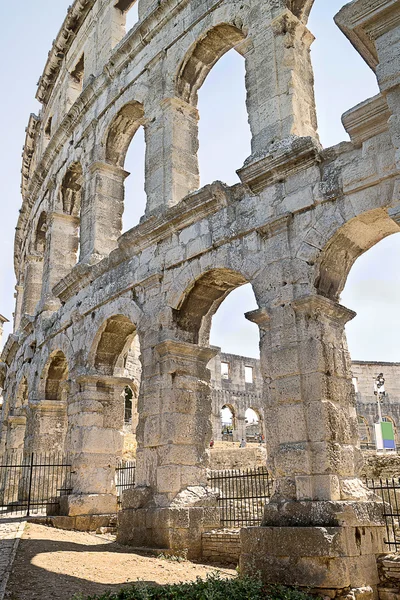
379	392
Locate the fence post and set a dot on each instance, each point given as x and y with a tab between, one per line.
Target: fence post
30	485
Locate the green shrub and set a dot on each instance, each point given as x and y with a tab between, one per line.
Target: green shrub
212	588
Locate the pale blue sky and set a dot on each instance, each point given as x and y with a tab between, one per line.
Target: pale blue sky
342	81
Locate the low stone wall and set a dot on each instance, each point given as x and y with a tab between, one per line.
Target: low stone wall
221	546
228	455
383	466
389	575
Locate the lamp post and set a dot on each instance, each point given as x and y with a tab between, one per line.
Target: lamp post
379	392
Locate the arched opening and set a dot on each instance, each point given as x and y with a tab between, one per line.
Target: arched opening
254	431
227	423
223	147
202	301
125	148
128	404
71	202
40	237
57	373
358	268
34	264
224	132
113	345
117	354
48	433
212	312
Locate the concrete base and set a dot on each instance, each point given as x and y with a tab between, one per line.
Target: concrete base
327	558
175	529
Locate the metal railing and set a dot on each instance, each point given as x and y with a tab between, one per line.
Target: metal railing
243	495
389	492
30	483
125	476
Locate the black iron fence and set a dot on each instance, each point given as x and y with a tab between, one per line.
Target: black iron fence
243	495
30	483
389	491
125	475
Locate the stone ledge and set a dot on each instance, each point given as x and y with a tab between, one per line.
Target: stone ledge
78	523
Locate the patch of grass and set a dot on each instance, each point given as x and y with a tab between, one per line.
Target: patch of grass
212	588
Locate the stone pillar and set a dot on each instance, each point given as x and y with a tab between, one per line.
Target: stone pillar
314	455
386	31
95	442
33	284
171	504
19	295
172	169
15	432
46	426
101	212
239	431
279	81
376	35
61	256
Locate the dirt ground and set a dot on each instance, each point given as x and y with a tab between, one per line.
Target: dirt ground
55	564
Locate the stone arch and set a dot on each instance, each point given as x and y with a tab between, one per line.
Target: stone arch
112	342
223	428
201	301
201	58
121	131
56	372
348	243
257	412
71	190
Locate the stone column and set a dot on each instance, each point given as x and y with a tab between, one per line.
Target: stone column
15	432
46	426
168	508
33	283
61	256
279	81
95	442
239	431
314	455
101	212
172	169
177	419
19	295
376	35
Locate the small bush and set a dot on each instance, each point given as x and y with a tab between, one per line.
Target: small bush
212	588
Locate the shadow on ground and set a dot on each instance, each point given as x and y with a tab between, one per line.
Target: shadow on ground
49	565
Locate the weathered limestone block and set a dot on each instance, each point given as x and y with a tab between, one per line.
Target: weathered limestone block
102	208
292	228
33	284
172	170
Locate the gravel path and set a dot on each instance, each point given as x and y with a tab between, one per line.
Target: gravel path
55	564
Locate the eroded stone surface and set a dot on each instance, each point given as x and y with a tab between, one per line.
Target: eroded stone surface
97	311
